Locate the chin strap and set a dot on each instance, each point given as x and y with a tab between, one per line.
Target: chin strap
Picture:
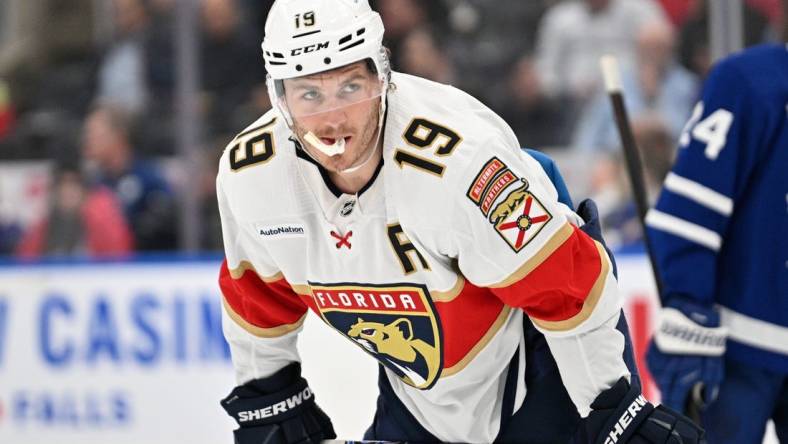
370	156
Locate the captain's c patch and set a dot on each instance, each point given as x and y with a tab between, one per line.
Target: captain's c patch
519	216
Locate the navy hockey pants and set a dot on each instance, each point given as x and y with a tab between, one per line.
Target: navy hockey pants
546	416
748	398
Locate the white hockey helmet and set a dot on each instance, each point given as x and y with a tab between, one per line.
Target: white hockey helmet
304	37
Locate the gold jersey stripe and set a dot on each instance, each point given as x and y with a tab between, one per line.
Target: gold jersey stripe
558	239
238	271
502	317
303	290
362	311
450	294
254	129
590	303
260	332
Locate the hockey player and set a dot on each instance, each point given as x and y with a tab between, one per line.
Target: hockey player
719	235
405	215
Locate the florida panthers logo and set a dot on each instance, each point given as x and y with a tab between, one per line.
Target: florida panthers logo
395	343
396	324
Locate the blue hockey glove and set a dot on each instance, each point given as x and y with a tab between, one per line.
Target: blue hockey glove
685	354
621	414
279	409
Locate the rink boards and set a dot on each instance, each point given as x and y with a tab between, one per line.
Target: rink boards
131	352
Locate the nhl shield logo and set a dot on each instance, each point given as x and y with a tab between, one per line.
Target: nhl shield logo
396	324
519	217
347	208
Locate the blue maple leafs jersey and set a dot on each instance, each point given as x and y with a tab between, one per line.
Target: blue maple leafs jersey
720	226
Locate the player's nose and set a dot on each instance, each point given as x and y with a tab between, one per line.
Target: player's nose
334	119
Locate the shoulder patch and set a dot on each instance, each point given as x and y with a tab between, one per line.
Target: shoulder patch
485	176
519	216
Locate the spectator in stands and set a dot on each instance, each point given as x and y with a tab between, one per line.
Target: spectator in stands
657	83
43	34
80	221
573	35
204	182
694	51
538	120
610	185
48	59
122	79
157	125
7	114
159	49
422	55
145	196
231	66
486	39
10	233
400	18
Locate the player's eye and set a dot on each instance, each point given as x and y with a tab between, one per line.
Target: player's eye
350	88
310	95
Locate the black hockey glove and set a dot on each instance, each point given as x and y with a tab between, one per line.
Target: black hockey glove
279	409
621	414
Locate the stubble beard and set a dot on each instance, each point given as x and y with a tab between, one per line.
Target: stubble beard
337	164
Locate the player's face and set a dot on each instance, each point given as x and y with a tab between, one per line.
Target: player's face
341	103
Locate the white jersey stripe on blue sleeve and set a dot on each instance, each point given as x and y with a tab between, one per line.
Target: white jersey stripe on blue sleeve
699	193
681	228
754	332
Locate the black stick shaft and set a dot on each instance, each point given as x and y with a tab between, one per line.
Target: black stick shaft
635	173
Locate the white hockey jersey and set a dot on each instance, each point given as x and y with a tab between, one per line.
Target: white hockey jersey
429	268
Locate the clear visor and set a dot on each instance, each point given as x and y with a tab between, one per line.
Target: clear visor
322	93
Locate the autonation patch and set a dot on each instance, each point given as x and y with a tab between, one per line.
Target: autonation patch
281	231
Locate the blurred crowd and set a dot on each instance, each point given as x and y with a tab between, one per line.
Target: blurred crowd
89	88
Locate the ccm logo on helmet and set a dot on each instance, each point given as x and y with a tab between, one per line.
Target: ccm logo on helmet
309	48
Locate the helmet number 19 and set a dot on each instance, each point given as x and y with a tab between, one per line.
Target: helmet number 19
305	20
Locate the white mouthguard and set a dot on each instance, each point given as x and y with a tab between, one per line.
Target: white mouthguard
329	150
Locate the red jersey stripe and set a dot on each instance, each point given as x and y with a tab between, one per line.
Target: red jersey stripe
556	288
470	319
265	309
588	305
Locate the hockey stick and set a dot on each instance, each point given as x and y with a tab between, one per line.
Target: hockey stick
631	154
610	73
